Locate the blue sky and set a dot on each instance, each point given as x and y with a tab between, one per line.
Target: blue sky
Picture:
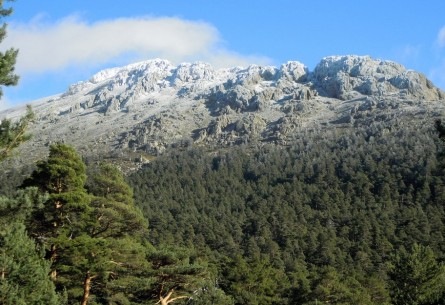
62	42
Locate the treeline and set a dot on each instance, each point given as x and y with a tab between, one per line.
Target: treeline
353	216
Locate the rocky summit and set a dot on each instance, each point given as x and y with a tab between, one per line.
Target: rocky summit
149	107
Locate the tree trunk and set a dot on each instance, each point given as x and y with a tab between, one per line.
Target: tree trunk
53	275
52	258
86	288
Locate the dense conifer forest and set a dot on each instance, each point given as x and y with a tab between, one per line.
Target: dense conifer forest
341	216
352	216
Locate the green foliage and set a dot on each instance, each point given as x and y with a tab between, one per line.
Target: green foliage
62	172
116	214
23	271
116	220
129	277
333	288
107	181
326	213
417	278
254	282
7	58
325	220
176	269
210	293
13	134
98	237
62	176
63	221
20	207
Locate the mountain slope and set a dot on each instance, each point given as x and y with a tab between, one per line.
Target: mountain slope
152	106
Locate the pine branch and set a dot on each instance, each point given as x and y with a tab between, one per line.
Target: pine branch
166	300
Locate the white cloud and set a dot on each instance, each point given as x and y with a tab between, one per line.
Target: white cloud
72	42
441	37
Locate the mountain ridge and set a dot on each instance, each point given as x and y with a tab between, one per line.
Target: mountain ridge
151	106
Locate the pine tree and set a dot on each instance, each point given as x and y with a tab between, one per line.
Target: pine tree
116	214
121	224
176	274
92	238
7	58
19	207
416	278
255	282
11	134
62	176
14	134
23	271
334	288
62	224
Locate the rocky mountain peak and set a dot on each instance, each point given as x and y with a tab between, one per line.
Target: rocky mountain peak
151	106
154	66
294	71
344	76
190	72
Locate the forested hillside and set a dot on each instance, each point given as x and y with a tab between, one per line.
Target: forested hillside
352	216
342	216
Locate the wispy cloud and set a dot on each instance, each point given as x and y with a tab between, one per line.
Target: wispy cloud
72	42
441	37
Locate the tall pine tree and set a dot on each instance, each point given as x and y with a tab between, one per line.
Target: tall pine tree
121	224
11	134
7	58
63	223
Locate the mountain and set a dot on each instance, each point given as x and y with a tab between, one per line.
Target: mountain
149	107
300	185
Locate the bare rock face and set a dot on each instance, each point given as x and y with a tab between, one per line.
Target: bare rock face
294	71
188	73
153	106
342	76
256	88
